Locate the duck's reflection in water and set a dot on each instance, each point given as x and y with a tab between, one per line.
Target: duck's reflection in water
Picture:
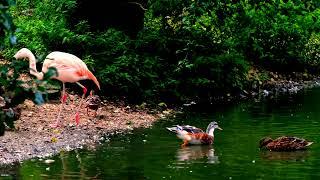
191	153
287	156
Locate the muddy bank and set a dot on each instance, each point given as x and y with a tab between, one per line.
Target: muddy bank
34	137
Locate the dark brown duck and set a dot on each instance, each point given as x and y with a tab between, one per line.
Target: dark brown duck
284	143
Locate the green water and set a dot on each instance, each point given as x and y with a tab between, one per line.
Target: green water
155	153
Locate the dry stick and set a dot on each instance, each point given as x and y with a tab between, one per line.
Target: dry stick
140	5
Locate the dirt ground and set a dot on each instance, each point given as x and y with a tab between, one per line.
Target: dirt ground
33	136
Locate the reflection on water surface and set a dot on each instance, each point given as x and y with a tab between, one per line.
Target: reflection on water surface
191	153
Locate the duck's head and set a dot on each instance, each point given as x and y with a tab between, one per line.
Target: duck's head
212	126
264	141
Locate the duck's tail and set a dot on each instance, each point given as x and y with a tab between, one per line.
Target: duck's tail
172	129
175	128
309	143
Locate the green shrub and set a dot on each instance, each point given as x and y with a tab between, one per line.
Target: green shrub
186	49
7	27
132	76
273	33
209	76
311	52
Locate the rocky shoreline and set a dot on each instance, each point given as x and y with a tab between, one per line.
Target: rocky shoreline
277	84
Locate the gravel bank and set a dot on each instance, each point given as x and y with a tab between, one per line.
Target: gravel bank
34	137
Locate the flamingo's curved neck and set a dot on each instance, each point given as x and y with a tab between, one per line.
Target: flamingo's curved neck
33	67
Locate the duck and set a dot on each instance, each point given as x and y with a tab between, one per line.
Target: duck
192	135
284	143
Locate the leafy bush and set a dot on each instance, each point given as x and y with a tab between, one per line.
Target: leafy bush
273	33
211	76
14	89
41	25
7	28
186	49
311	52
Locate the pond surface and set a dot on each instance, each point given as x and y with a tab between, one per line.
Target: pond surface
155	153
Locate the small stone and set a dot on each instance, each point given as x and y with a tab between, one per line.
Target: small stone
68	148
54	140
48	161
28	104
2	102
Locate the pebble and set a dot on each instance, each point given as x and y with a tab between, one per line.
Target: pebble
48	161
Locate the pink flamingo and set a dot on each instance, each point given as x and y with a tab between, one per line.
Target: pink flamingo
69	69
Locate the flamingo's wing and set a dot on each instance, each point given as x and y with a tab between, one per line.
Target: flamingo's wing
70	68
63	60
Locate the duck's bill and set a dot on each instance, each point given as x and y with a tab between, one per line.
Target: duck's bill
219	128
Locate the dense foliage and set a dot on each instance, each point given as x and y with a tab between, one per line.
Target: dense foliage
14	89
7	28
186	50
8	81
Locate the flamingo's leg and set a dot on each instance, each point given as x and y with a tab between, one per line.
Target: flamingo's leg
63	100
77	117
